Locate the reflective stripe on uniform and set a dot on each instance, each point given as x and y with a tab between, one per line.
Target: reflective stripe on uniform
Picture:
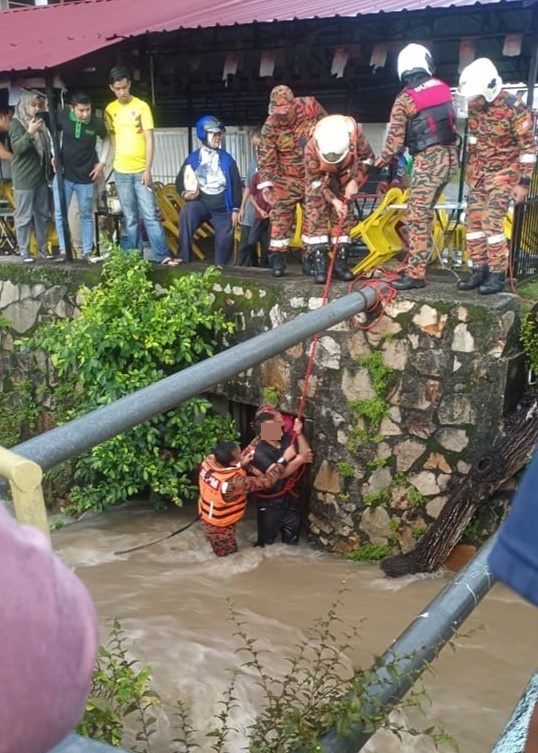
472	140
527	159
279	244
341	239
314	240
474	236
500	238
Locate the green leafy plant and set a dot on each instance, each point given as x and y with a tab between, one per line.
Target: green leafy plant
379	497
119	695
18	413
129	334
369	552
346	470
271	395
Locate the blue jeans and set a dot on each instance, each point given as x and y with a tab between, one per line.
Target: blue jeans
84	192
136	200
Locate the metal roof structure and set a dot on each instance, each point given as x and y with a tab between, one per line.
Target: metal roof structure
45	37
189	58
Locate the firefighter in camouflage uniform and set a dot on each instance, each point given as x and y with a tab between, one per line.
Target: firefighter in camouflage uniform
423	120
281	164
501	161
337	158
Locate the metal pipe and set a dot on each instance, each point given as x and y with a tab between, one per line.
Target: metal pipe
59	168
83	433
403	663
512	738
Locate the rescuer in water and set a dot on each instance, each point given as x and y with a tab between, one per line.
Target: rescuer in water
224	485
423	119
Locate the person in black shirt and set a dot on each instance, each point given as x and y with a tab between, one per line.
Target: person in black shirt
6	155
279	508
81	167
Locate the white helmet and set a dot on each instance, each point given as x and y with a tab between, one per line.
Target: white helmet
480	79
333	135
414	58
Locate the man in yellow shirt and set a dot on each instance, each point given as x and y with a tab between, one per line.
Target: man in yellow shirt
130	124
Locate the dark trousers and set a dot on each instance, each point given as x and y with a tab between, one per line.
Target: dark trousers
251	235
195	213
275	518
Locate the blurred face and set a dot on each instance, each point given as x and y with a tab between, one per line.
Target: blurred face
214	140
5	120
37	104
271	430
82	112
122	90
287	118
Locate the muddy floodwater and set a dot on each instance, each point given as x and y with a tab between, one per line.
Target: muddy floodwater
172	600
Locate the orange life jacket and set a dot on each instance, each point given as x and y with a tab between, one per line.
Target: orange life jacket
212	507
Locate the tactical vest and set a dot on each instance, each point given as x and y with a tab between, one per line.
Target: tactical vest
434	122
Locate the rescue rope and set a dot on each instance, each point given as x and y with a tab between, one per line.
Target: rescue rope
158	541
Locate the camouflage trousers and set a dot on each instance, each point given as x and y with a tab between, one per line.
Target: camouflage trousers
320	218
221	538
487	205
283	214
432	169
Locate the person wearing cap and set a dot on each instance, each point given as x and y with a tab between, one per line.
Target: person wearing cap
210	183
499	169
337	157
423	120
284	136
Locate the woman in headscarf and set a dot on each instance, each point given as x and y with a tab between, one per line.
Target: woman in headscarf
29	170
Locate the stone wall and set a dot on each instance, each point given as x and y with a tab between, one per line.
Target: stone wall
397	412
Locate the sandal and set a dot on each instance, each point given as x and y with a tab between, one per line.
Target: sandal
171	262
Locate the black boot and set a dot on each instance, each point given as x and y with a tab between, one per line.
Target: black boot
407	283
341	269
277	262
320	264
478	277
494	284
316	263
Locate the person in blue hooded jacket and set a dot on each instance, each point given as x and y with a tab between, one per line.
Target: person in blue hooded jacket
514	559
210	184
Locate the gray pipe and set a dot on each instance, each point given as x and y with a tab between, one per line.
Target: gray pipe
403	663
83	433
514	735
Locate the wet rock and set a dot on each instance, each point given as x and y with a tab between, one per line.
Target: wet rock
376	524
455	440
456	409
406	453
462	340
431	321
327	479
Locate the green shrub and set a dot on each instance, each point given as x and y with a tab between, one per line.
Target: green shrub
131	333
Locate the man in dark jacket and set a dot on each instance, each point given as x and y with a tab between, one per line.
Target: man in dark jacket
210	184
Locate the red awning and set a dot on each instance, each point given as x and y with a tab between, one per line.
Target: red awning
35	39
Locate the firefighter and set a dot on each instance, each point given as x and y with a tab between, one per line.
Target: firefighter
336	160
281	164
501	161
224	485
423	119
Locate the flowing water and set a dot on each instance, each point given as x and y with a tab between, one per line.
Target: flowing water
172	600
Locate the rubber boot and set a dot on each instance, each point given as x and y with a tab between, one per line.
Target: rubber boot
478	277
308	262
494	284
277	262
341	269
406	282
320	264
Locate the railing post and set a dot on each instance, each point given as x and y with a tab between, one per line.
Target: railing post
25	478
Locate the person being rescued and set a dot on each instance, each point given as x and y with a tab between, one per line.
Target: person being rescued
224	486
278	507
337	157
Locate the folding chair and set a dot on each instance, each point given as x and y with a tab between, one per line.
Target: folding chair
378	231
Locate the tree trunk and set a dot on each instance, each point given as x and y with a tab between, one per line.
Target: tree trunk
507	456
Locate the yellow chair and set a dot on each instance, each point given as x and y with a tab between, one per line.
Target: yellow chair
297	241
378	231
